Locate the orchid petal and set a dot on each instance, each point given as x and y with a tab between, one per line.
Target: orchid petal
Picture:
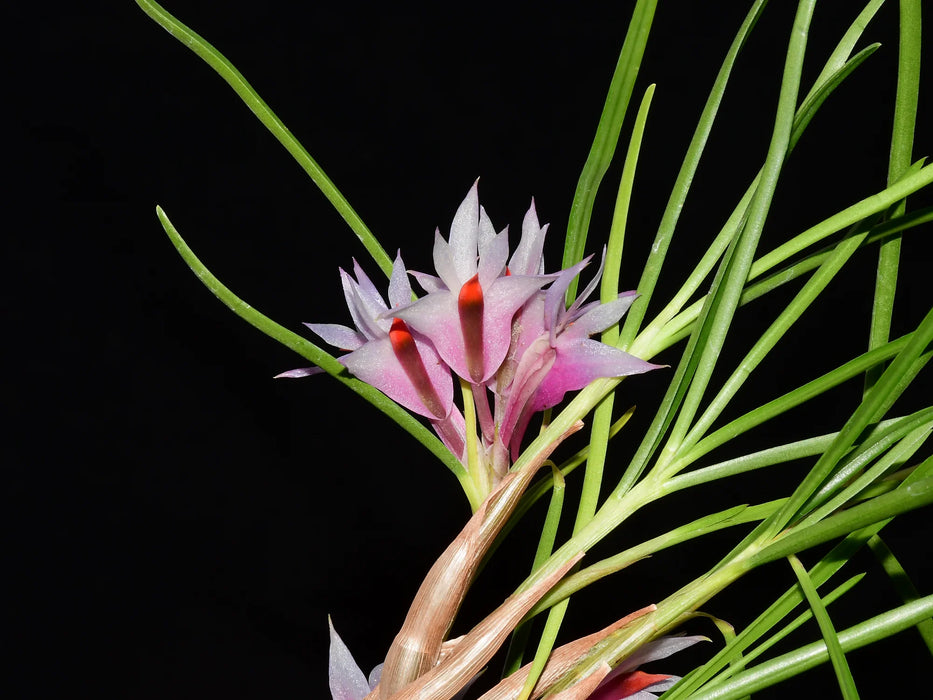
554	297
436	316
591	287
599	317
580	361
535	364
376	364
528	258
298	373
463	236
364	316
347	681
486	231
399	286
652	692
657	650
375	676
337	335
429	283
367	290
444	262
632	684
492	258
503	298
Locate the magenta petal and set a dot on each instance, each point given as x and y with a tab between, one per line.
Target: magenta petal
580	361
656	650
503	298
535	364
554	297
364	314
376	364
347	681
436	316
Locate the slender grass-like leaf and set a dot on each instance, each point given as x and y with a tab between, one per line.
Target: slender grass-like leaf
738	515
902	139
724	296
895	457
775	613
609	290
835	71
833	647
688	168
659	337
872	408
607	134
899	501
311	352
602	416
791	313
793	663
798	621
901	583
264	113
790	400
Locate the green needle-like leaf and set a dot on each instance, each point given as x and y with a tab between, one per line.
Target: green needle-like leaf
264	113
901	500
678	197
793	663
901	583
836	655
902	139
312	352
607	134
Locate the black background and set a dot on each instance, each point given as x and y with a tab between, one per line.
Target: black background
181	524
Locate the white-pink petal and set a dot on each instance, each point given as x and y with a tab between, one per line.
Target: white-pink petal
347	681
338	336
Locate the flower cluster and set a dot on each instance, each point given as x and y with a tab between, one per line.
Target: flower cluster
498	323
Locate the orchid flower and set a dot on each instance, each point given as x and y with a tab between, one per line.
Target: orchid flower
389	355
626	682
562	357
468	310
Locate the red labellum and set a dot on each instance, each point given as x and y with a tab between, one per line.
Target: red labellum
470	306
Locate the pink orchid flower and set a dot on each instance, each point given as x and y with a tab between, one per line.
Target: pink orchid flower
468	310
389	355
625	681
556	354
